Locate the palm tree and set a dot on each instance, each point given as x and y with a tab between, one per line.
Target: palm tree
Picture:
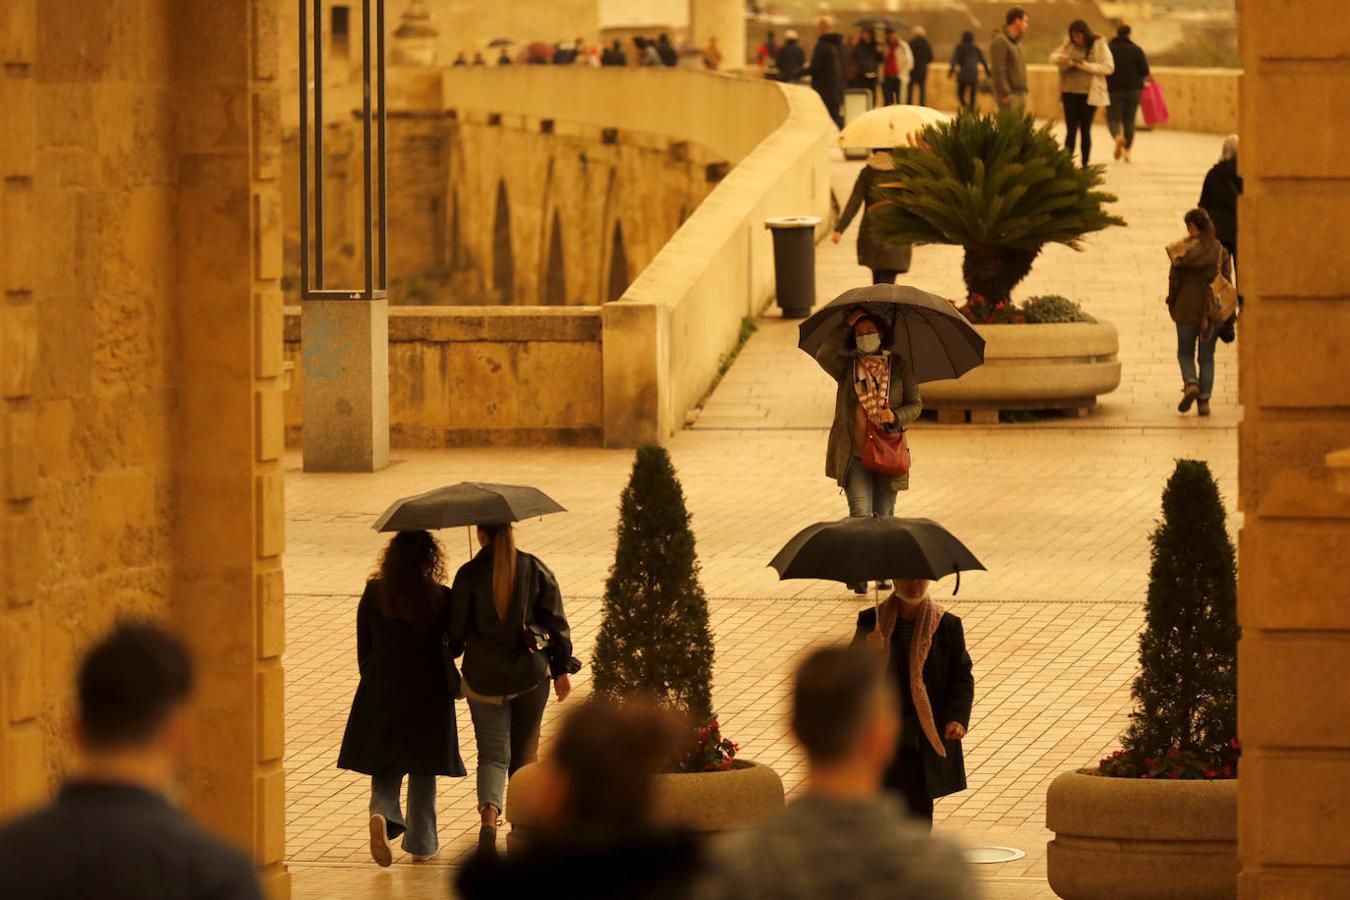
998	186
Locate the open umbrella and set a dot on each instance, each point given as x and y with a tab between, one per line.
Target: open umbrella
469	503
888	126
872	548
926	329
881	23
500	42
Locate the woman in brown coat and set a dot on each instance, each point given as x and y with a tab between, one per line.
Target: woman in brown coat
862	368
884	257
1195	262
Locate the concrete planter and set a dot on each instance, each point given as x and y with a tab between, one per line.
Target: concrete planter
1139	839
705	802
1055	366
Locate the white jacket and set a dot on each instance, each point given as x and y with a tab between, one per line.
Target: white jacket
1095	67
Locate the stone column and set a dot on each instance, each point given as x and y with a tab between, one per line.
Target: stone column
1294	600
724	20
344	346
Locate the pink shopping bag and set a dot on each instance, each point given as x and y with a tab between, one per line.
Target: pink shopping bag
1153	104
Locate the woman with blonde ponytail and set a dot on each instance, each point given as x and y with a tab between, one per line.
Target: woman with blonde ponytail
507	620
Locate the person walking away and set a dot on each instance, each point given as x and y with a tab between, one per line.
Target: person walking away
864	63
967	59
767	53
478	60
827	69
669	56
504	59
791	58
1007	64
921	50
1084	62
614	55
1125	86
595	792
1196	260
712	55
876	387
841	835
925	650
1219	197
507	620
112	831
402	719
884	257
460	61
896	69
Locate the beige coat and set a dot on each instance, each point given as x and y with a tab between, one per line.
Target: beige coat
1091	78
905	403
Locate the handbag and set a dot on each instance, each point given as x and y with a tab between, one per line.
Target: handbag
1153	105
1223	296
886	452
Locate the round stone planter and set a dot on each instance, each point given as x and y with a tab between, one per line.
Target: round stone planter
1140	839
704	802
1056	366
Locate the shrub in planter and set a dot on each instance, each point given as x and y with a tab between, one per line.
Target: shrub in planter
1051	308
654	640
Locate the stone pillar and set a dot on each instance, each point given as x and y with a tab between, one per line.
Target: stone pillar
724	20
1294	600
344	347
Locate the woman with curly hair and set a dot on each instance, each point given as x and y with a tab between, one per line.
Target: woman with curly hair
402	720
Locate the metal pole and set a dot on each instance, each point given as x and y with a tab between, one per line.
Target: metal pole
383	173
318	144
304	155
367	161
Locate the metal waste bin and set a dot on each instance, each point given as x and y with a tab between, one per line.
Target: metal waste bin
794	263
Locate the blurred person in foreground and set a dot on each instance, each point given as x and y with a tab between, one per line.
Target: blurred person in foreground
842	836
595	792
112	831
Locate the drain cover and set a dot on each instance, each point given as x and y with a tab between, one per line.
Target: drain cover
980	855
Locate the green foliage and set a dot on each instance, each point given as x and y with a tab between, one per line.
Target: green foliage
1050	308
654	640
1186	690
998	186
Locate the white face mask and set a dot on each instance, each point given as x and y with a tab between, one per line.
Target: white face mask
869	343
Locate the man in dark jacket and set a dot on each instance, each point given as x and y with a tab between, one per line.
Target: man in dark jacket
111	832
1126	85
791	58
827	69
666	50
923	58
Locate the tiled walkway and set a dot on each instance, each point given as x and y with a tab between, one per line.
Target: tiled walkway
1059	510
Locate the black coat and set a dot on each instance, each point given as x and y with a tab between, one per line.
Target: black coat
827	70
1131	66
1219	198
864	63
951	692
402	719
966	62
669	55
497	658
923	56
118	842
791	61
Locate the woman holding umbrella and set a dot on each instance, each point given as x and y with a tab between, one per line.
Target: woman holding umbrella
507	619
926	653
402	720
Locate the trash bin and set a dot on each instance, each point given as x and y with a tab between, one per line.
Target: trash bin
794	263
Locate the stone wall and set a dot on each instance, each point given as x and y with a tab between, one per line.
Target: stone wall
140	402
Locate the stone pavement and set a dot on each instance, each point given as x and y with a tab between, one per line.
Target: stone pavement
1059	510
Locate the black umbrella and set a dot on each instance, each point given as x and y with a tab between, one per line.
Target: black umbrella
500	42
927	330
469	503
873	548
881	23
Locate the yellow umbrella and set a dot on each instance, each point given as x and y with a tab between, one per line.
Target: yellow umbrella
888	126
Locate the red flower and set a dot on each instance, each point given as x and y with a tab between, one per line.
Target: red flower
1235	744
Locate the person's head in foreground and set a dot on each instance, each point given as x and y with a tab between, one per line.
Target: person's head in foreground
845	716
1017	21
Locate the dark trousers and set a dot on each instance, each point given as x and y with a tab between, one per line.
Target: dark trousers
1078	116
918	79
884	276
834	106
890	90
1121	114
965	94
913	787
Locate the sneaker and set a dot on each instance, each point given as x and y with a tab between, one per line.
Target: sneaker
417	858
1203	408
1188	395
1127	155
379	842
487	840
860	588
1120	146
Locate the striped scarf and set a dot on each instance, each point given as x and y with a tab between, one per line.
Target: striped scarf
872	381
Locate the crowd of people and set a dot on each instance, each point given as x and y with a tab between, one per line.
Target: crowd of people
658	51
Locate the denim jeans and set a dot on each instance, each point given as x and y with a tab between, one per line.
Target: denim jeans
1121	114
419	831
1188	339
868	493
507	735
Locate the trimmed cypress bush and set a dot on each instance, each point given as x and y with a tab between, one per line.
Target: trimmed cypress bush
1185	720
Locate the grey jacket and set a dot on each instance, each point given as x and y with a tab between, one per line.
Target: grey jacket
1009	67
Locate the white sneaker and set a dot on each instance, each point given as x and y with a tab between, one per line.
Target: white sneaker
379	842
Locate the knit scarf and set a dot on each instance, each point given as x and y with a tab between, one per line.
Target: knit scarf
872	382
925	626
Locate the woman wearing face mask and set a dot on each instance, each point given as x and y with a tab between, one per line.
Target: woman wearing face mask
875	386
884	257
925	648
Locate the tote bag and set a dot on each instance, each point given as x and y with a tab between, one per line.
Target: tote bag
1153	104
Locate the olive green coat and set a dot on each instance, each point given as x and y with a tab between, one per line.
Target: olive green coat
905	404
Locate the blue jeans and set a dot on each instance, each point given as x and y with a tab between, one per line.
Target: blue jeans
419	831
868	493
507	735
1188	339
